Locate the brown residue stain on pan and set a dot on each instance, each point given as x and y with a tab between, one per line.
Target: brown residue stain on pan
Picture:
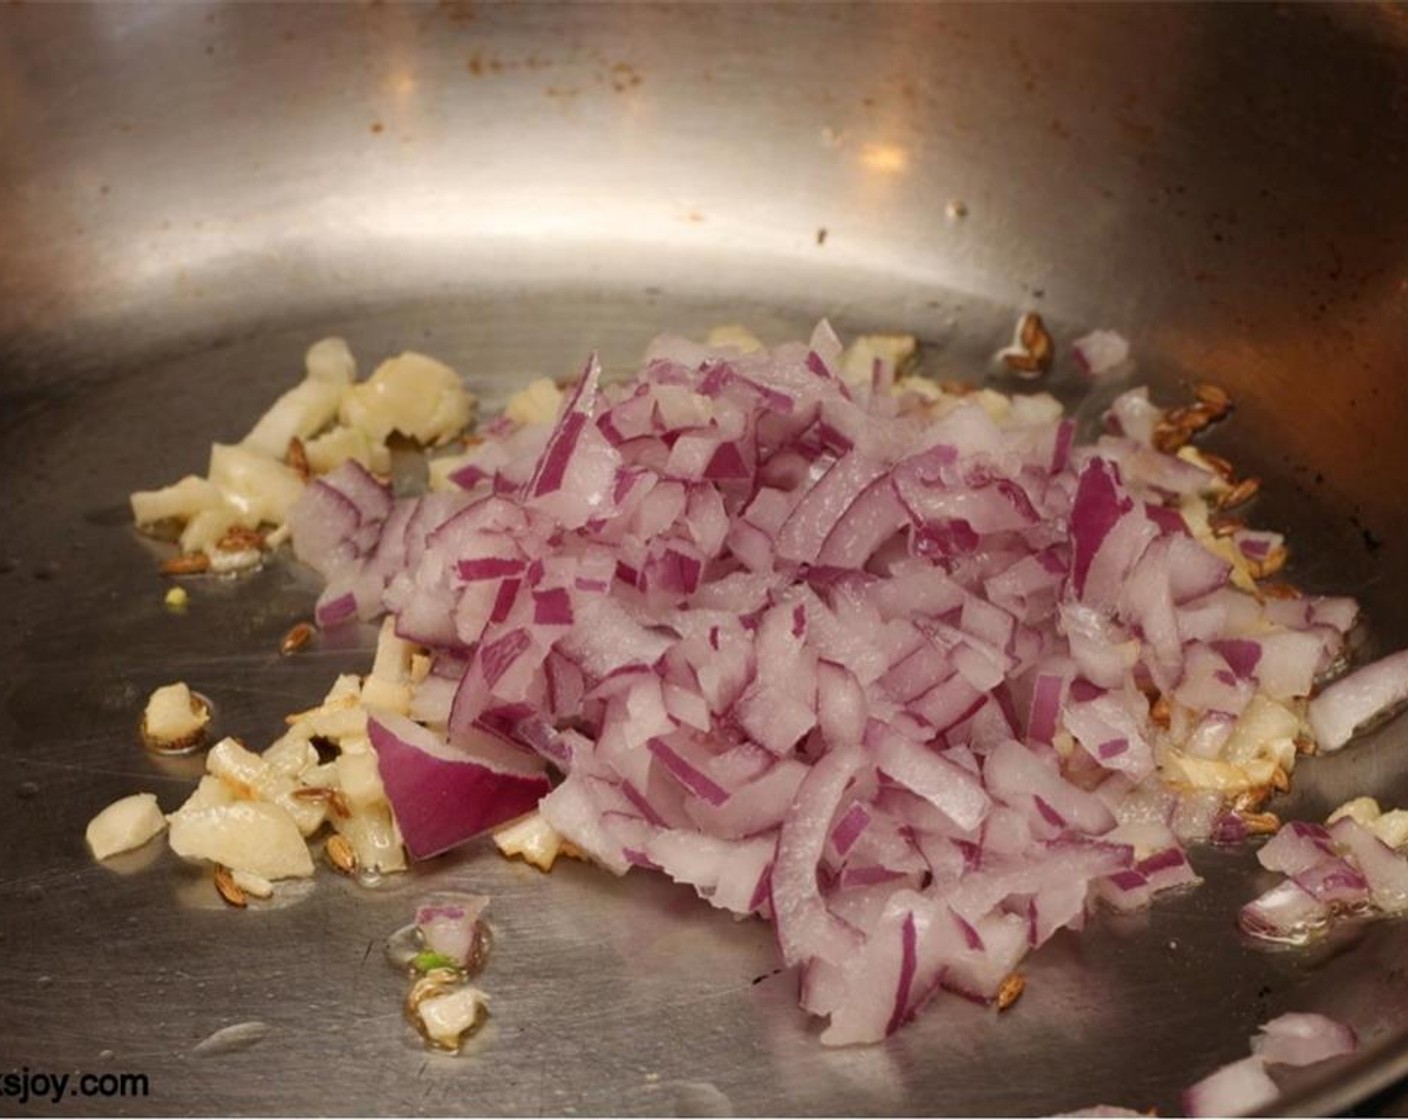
480	63
457	11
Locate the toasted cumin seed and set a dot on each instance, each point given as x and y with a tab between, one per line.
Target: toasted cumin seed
298	636
1168	438
1214	397
1220	465
1160	712
1271	563
1189	418
229	890
1250	800
1261	824
334	798
1241	493
340	854
240	539
1010	991
1225	525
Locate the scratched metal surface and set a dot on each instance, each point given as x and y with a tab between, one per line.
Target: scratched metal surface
190	194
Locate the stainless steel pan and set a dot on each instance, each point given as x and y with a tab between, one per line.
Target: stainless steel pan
191	193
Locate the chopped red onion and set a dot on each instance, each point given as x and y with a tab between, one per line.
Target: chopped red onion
1234	1090
1358	698
1301	1038
442	796
1243	1086
1344	870
1100	351
334	607
449	925
1385	871
879	674
1297	847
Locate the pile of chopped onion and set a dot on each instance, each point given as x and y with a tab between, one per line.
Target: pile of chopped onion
911	674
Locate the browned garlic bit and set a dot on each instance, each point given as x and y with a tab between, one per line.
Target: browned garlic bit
253	817
124	825
175	719
533	839
444	1009
325	420
897	353
1391	827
